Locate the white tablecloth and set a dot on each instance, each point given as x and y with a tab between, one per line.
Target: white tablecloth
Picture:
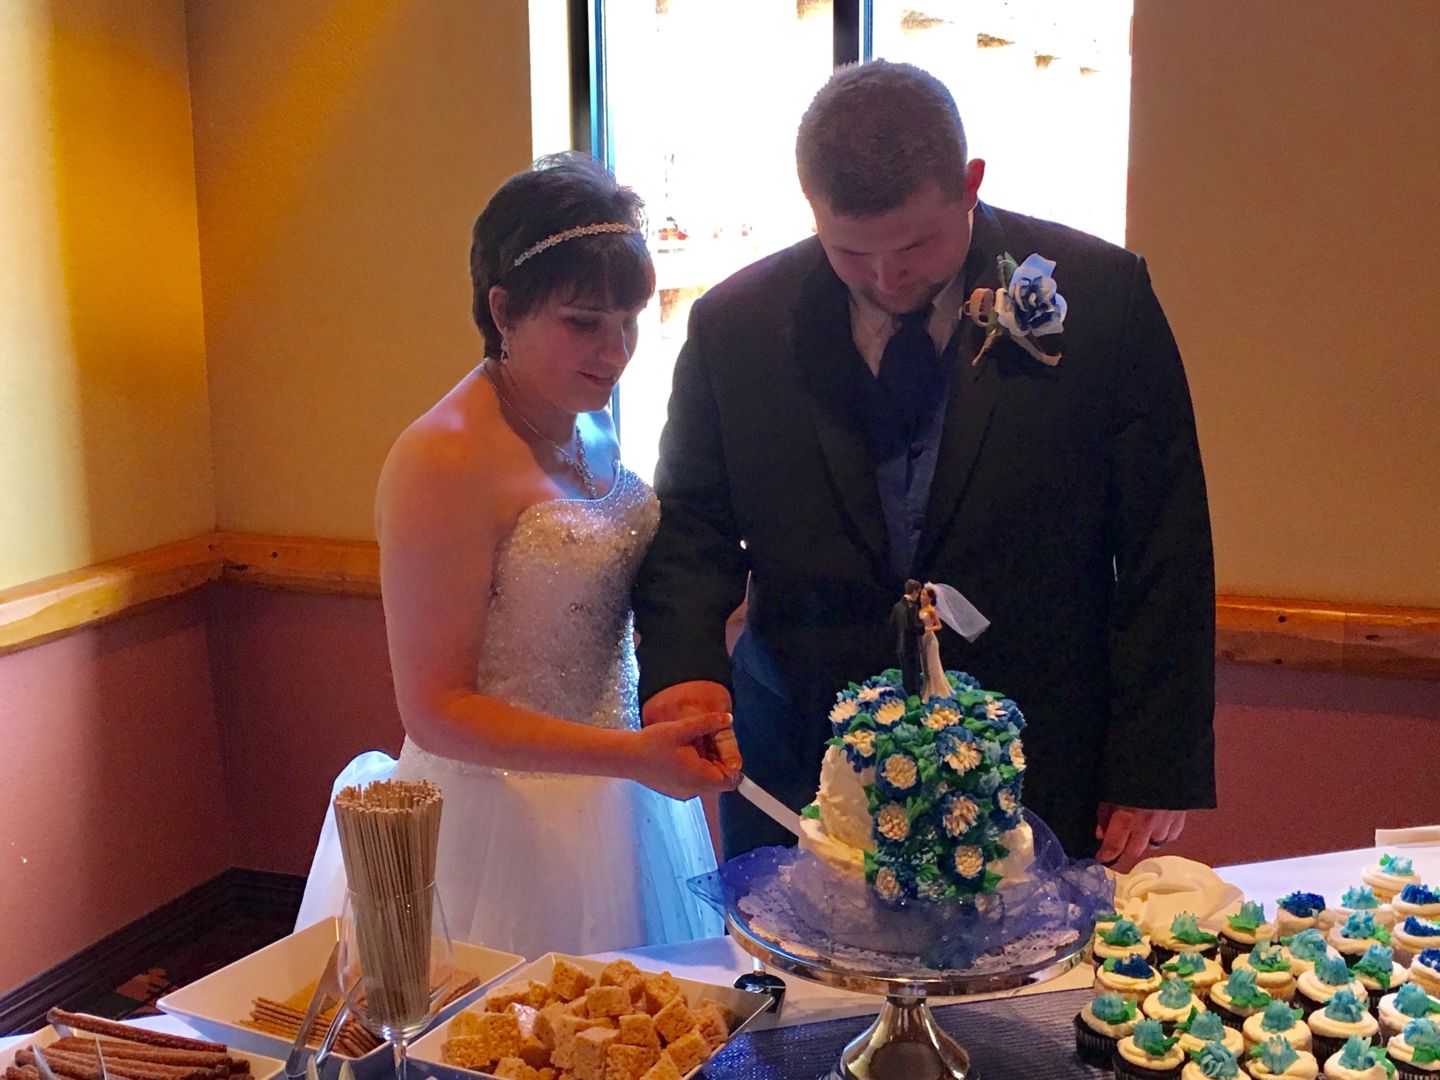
720	960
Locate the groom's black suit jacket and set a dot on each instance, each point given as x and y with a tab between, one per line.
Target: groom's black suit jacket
1068	505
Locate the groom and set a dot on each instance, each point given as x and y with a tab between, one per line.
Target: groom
835	427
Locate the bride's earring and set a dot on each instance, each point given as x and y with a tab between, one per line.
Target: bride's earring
504	350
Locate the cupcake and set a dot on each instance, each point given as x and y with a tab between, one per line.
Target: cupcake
1425	970
1298	911
1360	898
1106	919
1100	1025
1277	1021
1213	1061
1305	950
1391	874
1242	930
1406	1004
1378	972
1205	1027
1148	1054
1130	976
1199	971
1416	1051
1185	935
1238	997
1314	988
1418	900
1121	939
1414	936
1276	1057
1358	1060
1272	970
1172	1003
1356	934
1344	1015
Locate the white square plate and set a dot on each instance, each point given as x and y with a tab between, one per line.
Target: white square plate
744	1004
261	1067
216	1004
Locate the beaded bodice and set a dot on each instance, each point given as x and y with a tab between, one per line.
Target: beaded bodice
557	637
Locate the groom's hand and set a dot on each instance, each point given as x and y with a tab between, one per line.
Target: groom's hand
1128	833
694	698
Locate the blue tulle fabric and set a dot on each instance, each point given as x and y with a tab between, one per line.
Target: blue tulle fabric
783	892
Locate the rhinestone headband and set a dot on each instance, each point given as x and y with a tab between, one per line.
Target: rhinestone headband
572	234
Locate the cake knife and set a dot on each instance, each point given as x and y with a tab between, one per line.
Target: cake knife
768	805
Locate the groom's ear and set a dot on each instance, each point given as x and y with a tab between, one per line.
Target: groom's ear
499	307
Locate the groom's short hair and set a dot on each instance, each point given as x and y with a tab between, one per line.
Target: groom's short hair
877	133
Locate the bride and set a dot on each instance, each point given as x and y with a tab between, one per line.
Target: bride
509	536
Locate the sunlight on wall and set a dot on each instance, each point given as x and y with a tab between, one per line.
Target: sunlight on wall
104	427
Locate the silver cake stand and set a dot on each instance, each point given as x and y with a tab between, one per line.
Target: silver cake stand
904	1042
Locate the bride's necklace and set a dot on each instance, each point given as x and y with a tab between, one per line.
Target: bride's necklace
576	461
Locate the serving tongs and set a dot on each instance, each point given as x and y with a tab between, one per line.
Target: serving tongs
299	1061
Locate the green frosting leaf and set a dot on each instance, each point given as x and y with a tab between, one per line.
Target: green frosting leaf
812	812
1150	1037
1185	928
1124	932
1113	1009
1249	918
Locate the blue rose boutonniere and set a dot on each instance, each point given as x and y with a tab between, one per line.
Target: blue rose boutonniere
1027	306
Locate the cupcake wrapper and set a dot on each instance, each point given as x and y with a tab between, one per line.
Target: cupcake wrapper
1161	955
1306	1005
1406	1071
1092	1047
1324	1047
1229	950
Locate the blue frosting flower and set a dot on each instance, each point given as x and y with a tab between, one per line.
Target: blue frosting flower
958	814
959	749
1275	1054
1359	926
1249	918
1215	1062
1268	958
1399	865
893	881
1186	963
1358	1053
1362	896
1113	1008
1376	963
1302	904
1279	1017
897	774
1206	1026
1418	927
1345	1006
1423	1038
968	864
1412	1000
1429	958
1309	945
1333	971
1150	1037
1242	990
1122	932
1419	894
1132	966
1174	993
1006	814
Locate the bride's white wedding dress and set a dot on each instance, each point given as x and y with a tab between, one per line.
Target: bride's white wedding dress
530	862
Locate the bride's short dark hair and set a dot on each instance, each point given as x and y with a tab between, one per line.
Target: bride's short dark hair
563	191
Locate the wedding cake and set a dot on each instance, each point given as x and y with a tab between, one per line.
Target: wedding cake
922	799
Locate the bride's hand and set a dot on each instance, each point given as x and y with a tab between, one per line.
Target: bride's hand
669	757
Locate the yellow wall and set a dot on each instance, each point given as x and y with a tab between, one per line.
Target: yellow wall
1284	163
104	431
343	149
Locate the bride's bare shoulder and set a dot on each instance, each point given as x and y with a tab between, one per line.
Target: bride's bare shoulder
456	448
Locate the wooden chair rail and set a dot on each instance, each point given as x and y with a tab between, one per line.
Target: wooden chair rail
1303	634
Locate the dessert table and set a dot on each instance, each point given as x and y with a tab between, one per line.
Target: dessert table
1018	1034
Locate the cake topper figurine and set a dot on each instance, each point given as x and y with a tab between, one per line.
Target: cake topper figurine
906	625
941	605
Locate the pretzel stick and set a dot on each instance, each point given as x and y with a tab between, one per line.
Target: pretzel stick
99	1026
87	1067
156	1055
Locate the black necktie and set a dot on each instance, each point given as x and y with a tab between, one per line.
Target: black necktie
909	366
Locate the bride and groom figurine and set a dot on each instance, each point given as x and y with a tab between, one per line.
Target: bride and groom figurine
916	619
